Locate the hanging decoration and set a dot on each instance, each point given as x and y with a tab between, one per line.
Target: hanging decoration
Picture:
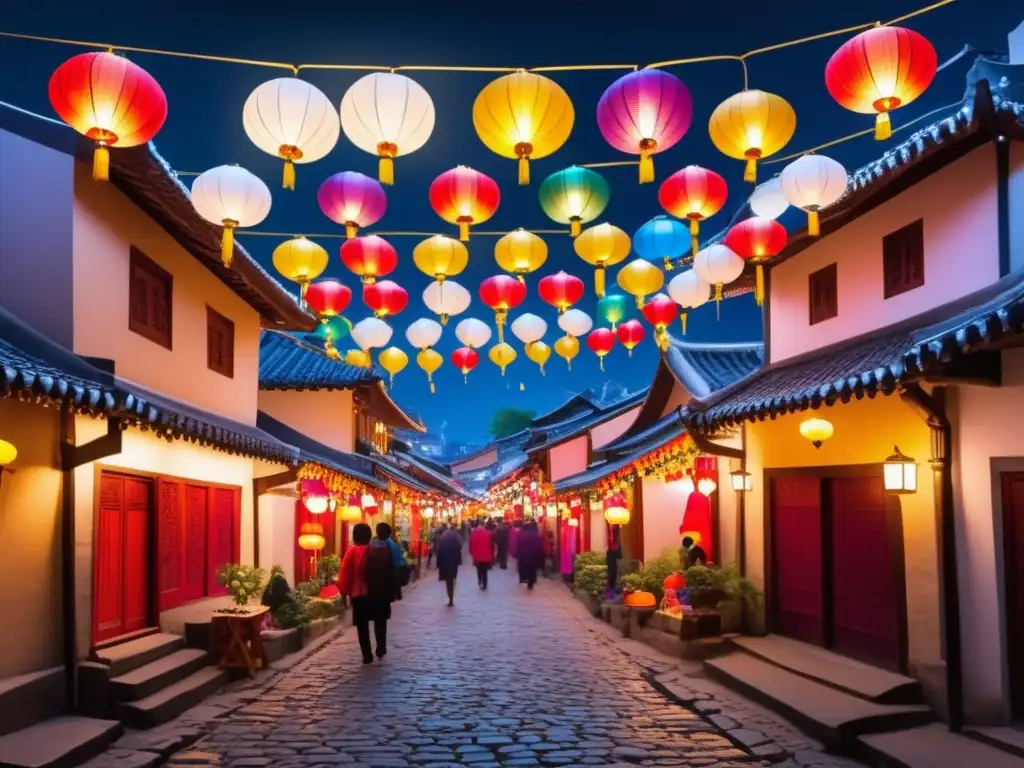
561	290
464	196
573	196
575	322
328	298
300	260
520	252
768	199
816	430
675	457
612	310
393	360
705	473
110	101
311	537
751	125
660	311
616	509
360	358
232	197
879	70
718	265
502	293
369	257
662	238
540	353
352	200
371	333
629	334
689	290
693	193
429	360
502	355
387	114
440	257
523	115
813	182
567	347
601	341
756	239
465	359
446	299
423	334
529	328
602	246
473	333
333	329
386	298
640	279
645	112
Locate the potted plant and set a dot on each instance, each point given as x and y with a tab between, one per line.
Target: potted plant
705	586
243	582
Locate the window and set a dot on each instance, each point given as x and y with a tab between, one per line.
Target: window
220	343
149	299
823	294
903	259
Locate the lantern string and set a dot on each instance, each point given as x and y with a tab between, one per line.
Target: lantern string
386	233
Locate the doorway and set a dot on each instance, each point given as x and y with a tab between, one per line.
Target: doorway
1013	541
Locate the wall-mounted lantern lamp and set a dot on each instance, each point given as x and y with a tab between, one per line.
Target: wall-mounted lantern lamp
816	430
8	453
899	473
742	481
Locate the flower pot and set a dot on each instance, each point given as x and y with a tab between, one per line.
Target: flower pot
706	597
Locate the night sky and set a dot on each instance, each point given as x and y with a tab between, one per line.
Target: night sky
204	127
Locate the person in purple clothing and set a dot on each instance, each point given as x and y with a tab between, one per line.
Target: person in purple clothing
529	554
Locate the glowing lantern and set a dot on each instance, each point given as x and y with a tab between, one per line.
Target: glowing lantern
630	333
315	503
768	200
640	279
300	260
561	290
502	355
751	125
232	197
351	512
369	504
899	473
645	112
293	120
540	353
465	359
440	257
369	257
352	200
601	341
429	360
386	298
446	299
463	196
693	193
602	246
529	328
575	322
573	196
423	333
718	265
662	238
359	358
813	182
520	252
705	471
311	537
523	115
689	290
328	298
110	101
816	430
616	509
393	360
371	333
879	70
756	239
502	293
742	481
387	114
473	333
567	347
660	311
333	329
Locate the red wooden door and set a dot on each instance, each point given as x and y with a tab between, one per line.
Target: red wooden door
867	587
798	600
1013	538
196	504
224	535
138	506
170	543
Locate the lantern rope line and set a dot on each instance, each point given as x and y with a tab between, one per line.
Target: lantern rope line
389	233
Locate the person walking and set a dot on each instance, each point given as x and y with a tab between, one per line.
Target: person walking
367	577
513	537
449	559
501	544
435	536
384	538
529	554
481	549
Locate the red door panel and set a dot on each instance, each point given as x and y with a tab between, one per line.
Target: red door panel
137	494
170	543
196	497
108	568
223	536
799	607
1013	536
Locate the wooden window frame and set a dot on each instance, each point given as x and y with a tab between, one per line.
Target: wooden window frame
227	327
815	313
137	260
892	256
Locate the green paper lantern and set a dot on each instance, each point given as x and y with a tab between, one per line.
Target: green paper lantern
334	330
573	196
613	309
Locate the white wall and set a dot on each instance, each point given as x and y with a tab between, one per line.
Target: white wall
664	504
277	533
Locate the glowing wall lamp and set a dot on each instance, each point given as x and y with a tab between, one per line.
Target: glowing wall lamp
899	473
742	481
8	453
816	430
616	509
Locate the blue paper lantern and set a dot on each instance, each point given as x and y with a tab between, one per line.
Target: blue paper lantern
662	238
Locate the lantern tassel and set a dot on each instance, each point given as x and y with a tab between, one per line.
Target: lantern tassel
227	243
883	126
522	387
639	302
750	171
499	319
813	225
682	321
629	352
386	171
464	231
521	279
668	264
392	380
503	370
465	378
646	167
351	228
600	362
433	389
289	175
694	232
569	363
759	285
575	226
444	319
542	370
101	163
599	285
524	170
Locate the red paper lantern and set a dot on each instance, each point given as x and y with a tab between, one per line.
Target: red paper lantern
385	298
560	290
502	293
369	257
660	311
465	359
756	239
463	196
630	333
109	100
602	341
693	193
879	70
328	298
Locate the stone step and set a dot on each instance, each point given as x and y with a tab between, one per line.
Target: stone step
1005	738
171	701
125	657
831	716
150	678
933	746
60	742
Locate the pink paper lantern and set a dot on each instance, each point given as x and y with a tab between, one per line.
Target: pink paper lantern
352	200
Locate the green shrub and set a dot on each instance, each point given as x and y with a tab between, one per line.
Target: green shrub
726	579
319	608
307	590
632	582
588	558
654	573
242	581
327	569
292	614
275	570
591	579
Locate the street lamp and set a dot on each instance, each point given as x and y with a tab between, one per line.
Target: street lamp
899	473
742	481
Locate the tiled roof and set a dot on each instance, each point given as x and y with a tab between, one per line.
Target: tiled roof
705	368
477	481
443	482
400	475
579	424
287	362
668	425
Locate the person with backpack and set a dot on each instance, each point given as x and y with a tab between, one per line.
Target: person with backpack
368	578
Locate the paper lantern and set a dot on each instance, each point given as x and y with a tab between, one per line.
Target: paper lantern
612	310
540	353
110	101
351	512
573	196
816	430
662	238
813	182
463	196
386	298
288	118
473	333
429	360
440	257
899	473
705	472
601	341
529	328
645	112
693	193
640	279
465	359
660	311
616	509
446	299
232	197
768	200
359	358
689	290
523	115
423	333
311	537
371	333
300	260
520	252
879	70
369	257
393	360
502	293
8	453
502	355
333	329
567	347
328	298
751	125
629	334
387	114
561	290
352	200
602	246
756	239
718	265
315	503
575	322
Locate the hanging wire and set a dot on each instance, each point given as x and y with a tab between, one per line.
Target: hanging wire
387	233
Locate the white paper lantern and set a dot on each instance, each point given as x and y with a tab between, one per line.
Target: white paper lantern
371	333
291	119
232	197
473	333
769	200
446	299
388	115
689	290
423	333
718	265
813	182
575	322
529	328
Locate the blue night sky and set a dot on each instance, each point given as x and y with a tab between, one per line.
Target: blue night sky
204	127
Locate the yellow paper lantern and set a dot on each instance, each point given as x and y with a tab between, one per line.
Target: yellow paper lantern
311	537
350	513
8	453
751	125
816	430
640	278
540	353
602	246
520	252
358	358
393	360
567	348
429	360
300	260
440	257
523	115
502	355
